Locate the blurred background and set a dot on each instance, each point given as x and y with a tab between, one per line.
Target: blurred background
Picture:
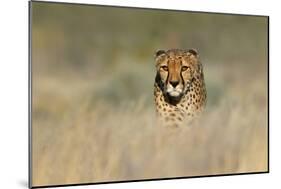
93	116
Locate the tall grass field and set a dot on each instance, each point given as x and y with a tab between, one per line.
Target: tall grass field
93	116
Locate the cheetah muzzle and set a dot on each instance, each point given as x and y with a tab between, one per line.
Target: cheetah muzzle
179	88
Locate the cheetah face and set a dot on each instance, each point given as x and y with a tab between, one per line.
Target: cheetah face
176	70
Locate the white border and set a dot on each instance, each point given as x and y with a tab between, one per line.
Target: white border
14	92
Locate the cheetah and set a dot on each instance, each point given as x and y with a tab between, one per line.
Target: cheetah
179	88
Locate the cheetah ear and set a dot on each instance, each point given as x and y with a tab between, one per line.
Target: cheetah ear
159	52
193	51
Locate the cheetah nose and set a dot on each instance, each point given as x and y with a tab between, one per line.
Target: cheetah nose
174	83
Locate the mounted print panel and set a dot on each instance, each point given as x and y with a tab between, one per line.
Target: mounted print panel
122	94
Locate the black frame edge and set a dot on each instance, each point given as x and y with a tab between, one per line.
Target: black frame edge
268	94
153	179
146	8
139	180
29	95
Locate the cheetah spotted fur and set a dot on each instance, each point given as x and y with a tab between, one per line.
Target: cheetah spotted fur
179	88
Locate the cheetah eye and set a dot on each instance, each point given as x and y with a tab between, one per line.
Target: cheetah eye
165	68
184	68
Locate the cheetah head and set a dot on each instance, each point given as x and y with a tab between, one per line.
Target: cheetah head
175	71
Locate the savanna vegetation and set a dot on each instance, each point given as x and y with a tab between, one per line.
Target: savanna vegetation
93	117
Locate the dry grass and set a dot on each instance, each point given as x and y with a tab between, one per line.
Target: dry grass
78	141
93	112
